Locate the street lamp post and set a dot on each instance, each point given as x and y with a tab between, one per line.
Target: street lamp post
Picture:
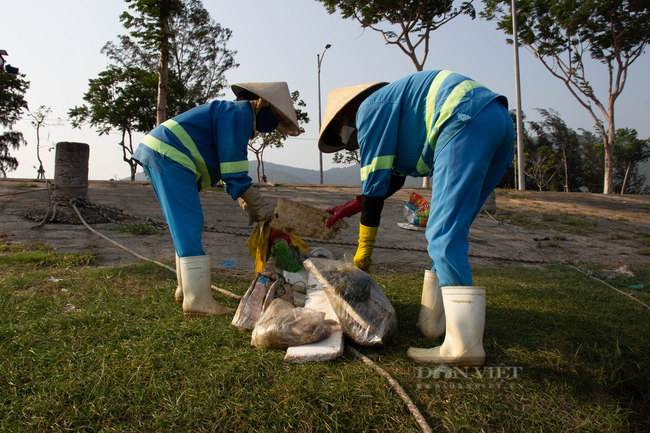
319	58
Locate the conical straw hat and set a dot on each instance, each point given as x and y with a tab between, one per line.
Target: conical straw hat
277	94
329	140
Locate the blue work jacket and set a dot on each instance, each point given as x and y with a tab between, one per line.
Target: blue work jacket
403	126
203	146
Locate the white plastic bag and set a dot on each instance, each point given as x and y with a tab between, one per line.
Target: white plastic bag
282	325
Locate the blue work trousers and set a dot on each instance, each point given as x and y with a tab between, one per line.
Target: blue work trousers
465	173
182	209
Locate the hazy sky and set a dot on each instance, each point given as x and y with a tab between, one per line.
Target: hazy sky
57	45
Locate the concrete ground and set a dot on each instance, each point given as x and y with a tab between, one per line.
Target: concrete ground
396	250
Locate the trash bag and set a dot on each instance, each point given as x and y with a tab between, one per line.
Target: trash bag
416	210
251	304
282	325
365	313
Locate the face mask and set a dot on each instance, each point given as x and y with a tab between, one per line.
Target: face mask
352	143
266	120
346	132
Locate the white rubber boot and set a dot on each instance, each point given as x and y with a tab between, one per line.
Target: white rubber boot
463	345
178	295
197	294
432	313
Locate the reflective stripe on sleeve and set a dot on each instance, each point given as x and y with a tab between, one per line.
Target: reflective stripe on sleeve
379	163
233	167
187	141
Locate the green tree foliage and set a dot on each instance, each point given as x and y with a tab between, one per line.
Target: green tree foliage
629	151
591	149
126	97
564	142
199	57
122	99
563	35
151	26
416	20
12	104
196	52
262	141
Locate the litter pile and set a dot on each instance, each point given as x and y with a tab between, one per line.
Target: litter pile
303	300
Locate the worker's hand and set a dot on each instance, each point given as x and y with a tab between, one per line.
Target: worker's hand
255	206
363	257
344	210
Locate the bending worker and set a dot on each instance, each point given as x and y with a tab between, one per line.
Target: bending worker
197	149
457	132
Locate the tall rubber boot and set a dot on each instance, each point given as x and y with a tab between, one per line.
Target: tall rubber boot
178	295
463	345
432	313
197	294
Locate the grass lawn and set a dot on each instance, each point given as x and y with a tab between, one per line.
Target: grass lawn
107	349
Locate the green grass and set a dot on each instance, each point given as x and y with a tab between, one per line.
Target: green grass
102	349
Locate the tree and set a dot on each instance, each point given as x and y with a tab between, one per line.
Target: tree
553	132
12	104
591	149
628	152
563	34
262	141
39	120
541	166
151	26
197	54
416	20
122	99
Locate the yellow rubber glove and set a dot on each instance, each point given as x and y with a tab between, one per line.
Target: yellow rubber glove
363	257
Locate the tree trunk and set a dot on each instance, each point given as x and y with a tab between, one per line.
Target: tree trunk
566	171
608	187
627	172
163	65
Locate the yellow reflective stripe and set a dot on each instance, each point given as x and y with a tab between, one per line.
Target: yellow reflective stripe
431	97
234	167
171	152
450	104
422	168
379	163
187	141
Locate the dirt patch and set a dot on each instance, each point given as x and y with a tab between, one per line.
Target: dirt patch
529	228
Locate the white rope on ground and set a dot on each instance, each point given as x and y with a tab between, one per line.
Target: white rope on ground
396	386
609	285
220	290
573	267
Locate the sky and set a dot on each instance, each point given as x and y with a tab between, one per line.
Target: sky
57	46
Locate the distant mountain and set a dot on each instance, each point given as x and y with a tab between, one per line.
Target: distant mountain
345	175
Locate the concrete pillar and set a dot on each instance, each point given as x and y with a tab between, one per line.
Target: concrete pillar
71	170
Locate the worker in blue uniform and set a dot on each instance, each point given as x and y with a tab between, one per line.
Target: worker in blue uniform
459	133
198	149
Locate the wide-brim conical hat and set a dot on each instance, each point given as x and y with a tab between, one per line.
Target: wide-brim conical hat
277	94
329	140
